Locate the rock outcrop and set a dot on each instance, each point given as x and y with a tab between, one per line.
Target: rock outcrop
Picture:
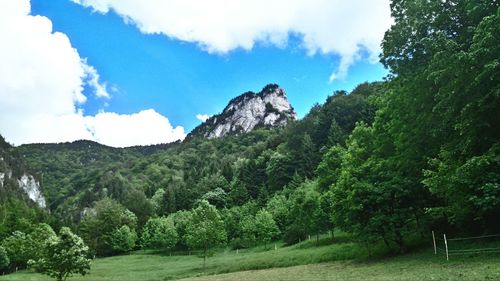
267	109
32	188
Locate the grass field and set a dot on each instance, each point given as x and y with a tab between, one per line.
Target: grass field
340	259
418	266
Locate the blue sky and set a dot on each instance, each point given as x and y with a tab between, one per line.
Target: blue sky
179	79
148	59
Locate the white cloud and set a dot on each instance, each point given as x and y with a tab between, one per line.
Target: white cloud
42	78
143	128
338	27
92	79
202	117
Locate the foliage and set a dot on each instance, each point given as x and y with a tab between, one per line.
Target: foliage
98	225
279	207
4	259
17	247
205	229
65	255
181	220
159	233
123	239
37	239
265	227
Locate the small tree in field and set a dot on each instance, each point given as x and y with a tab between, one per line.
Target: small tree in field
64	256
159	233
123	239
265	227
205	229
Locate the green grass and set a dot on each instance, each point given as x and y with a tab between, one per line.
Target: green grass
339	259
422	265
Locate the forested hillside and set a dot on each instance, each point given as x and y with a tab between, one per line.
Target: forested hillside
388	161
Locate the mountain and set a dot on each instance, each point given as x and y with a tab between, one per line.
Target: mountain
76	175
267	109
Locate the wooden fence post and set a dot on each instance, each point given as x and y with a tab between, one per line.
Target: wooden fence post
446	246
434	241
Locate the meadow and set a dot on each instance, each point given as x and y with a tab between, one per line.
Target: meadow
330	259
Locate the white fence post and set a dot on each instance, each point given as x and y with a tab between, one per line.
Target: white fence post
434	241
446	247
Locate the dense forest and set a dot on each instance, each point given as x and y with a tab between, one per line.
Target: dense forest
390	160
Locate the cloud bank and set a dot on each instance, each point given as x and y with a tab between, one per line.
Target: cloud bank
42	78
338	27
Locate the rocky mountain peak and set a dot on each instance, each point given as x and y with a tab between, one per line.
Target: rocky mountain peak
268	108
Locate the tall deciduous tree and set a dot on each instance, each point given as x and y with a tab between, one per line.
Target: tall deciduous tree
265	227
65	255
159	233
123	239
205	229
97	226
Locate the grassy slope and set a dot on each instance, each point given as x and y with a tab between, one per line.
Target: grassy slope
418	266
421	265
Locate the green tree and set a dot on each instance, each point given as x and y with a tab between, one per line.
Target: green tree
443	102
159	233
17	248
65	256
265	227
306	209
37	239
123	239
97	226
206	228
328	170
373	199
239	193
279	207
181	220
157	201
217	197
247	231
4	259
279	171
137	203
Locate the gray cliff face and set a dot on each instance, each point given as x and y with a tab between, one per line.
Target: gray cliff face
32	188
269	108
16	181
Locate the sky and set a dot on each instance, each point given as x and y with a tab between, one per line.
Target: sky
139	72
